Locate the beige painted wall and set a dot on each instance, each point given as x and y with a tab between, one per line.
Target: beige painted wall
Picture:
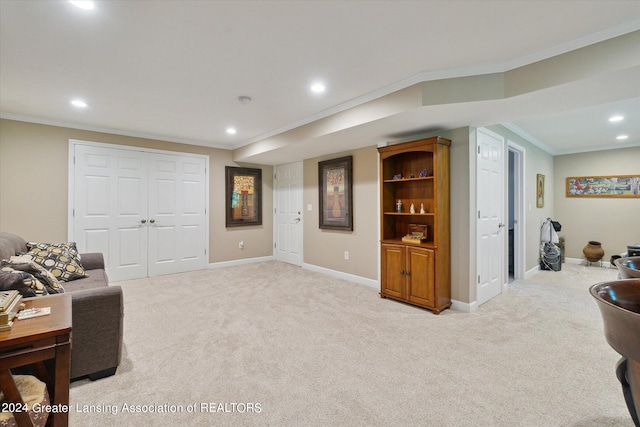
611	221
34	187
462	251
325	248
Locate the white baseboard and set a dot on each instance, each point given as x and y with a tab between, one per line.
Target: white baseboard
240	262
464	307
582	261
529	273
344	276
455	305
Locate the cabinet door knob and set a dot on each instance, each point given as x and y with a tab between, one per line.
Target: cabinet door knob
401	271
408	273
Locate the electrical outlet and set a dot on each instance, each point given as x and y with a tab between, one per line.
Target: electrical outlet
241	244
346	254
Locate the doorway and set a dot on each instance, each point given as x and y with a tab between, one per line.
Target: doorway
288	224
516	211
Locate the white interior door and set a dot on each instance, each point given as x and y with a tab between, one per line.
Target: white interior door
110	209
490	220
145	211
288	235
177	214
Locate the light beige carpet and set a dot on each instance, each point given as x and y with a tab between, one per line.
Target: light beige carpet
282	346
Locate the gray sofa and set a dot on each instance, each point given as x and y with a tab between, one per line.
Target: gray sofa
97	314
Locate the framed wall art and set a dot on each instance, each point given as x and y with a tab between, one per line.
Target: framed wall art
336	199
604	186
540	190
243	196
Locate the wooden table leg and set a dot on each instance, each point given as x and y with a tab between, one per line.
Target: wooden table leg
62	379
8	386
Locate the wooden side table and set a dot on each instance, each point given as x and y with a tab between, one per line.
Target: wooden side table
31	342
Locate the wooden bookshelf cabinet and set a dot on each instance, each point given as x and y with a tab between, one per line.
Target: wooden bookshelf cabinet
416	272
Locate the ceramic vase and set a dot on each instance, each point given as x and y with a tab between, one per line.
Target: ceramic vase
593	251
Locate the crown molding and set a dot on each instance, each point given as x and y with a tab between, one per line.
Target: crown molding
532	139
427	76
112	131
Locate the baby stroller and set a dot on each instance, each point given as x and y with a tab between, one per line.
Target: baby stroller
550	255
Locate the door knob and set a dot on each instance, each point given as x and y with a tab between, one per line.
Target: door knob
144	221
501	225
297	219
152	221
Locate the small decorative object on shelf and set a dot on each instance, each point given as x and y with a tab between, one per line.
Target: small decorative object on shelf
593	251
399	206
412	209
422	208
417	234
397	176
424	173
411	175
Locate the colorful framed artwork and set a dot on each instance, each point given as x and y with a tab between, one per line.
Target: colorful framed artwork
243	196
336	200
604	186
540	190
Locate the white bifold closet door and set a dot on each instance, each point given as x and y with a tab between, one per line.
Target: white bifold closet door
145	211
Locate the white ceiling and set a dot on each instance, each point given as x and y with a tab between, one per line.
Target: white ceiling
174	70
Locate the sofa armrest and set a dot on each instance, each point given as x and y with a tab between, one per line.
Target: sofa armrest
97	330
92	261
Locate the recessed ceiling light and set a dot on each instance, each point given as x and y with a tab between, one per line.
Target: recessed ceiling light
616	118
231	131
83	4
318	87
622	137
79	103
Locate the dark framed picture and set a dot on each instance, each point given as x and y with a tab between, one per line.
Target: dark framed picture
336	199
540	190
243	199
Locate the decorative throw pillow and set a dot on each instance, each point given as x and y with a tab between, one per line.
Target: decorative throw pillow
43	275
69	246
21	281
62	260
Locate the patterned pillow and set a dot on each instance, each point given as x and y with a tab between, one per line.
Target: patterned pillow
43	275
69	246
62	259
21	281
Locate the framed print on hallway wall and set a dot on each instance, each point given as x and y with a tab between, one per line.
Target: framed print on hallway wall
540	190
243	196
604	186
336	199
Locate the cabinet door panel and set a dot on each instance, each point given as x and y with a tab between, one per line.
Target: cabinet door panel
393	261
421	267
